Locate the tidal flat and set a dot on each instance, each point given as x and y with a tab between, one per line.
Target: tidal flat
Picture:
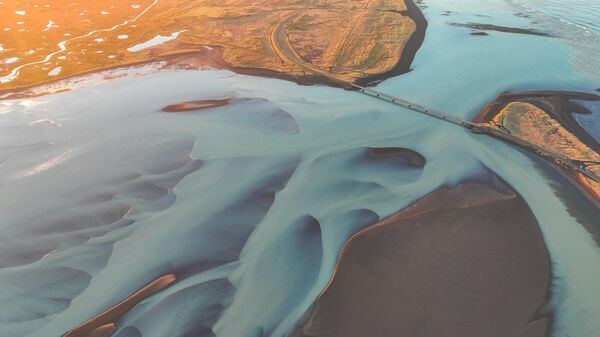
257	196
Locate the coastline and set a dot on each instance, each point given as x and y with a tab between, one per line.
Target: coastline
414	263
565	118
209	59
187	60
239	152
558	107
403	65
216	61
410	50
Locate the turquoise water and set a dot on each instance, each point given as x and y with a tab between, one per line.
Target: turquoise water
461	73
575	21
101	192
582	15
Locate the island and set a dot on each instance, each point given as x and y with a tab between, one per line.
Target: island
564	123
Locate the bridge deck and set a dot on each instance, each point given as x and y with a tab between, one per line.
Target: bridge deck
557	158
414	106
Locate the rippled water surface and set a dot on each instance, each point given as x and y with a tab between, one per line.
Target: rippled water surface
577	21
249	203
583	14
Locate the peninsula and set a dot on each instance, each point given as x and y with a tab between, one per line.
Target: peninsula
317	41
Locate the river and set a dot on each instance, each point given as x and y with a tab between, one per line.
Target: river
101	192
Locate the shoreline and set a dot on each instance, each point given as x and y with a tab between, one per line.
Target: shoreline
430	215
403	65
409	51
561	115
211	60
566	119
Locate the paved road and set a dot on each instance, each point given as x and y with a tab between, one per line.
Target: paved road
558	158
286	53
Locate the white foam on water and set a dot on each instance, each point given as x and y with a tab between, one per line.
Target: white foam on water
575	21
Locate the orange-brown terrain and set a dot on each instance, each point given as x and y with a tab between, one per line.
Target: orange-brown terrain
42	41
545	120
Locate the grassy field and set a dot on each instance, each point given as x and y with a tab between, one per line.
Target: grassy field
534	125
45	41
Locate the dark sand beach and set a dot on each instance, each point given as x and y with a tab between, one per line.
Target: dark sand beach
468	261
560	106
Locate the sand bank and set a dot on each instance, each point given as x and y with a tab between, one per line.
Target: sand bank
469	261
196	105
103	324
503	29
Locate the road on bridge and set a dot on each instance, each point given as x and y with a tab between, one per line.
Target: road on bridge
285	51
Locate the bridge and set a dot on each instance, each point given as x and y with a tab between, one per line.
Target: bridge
413	106
558	158
286	53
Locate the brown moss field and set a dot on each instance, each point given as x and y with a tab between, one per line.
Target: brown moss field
532	124
43	41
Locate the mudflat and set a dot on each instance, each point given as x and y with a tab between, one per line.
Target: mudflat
468	261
